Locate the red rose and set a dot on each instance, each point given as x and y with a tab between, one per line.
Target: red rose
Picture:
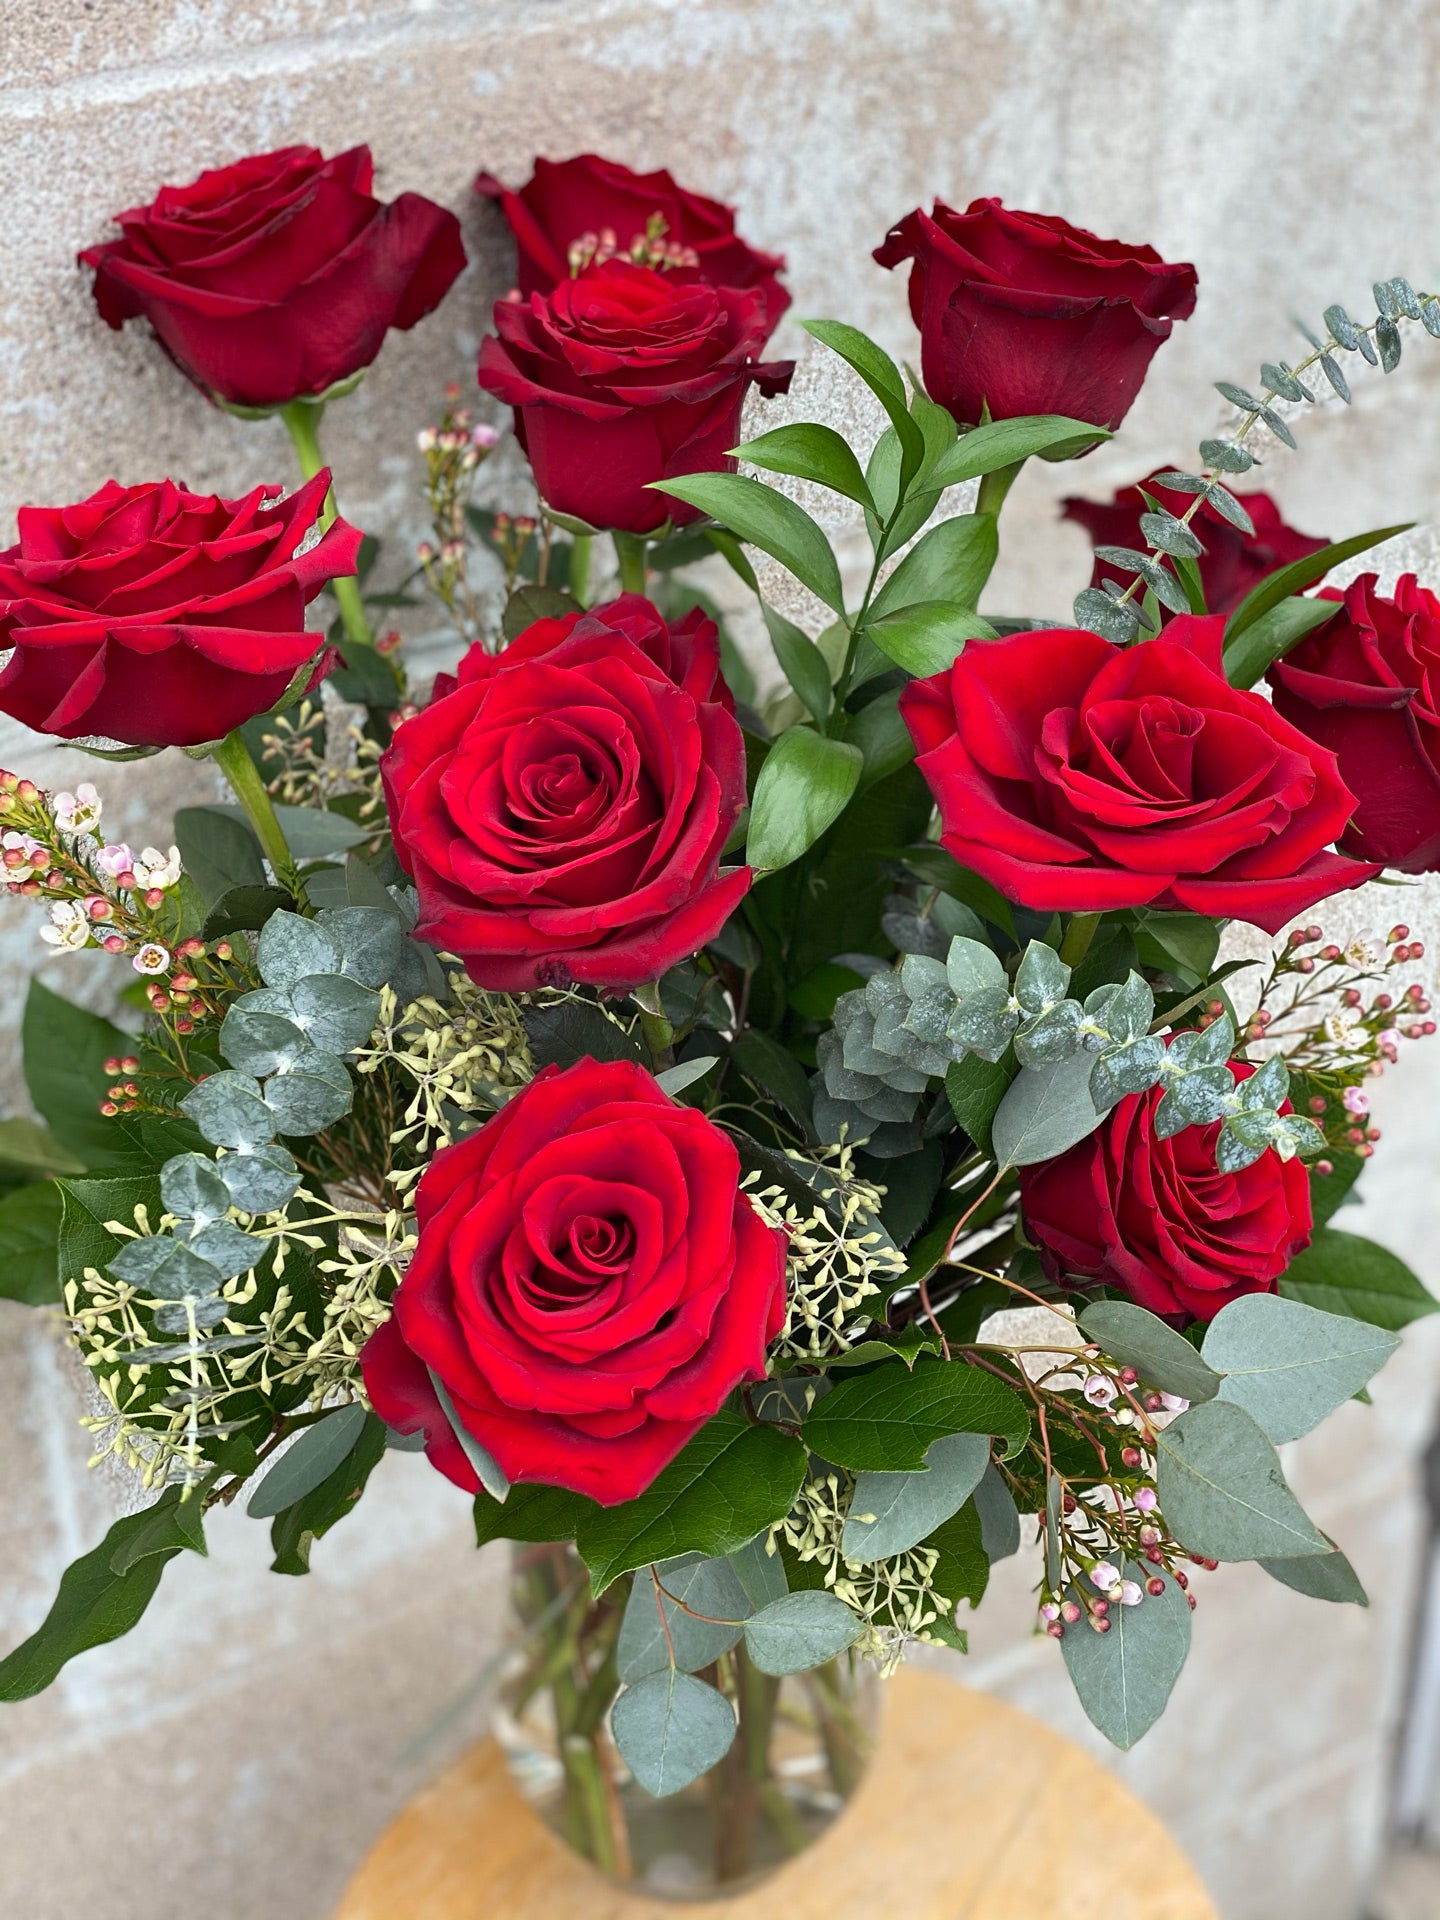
1367	688
1023	313
623	376
590	1284
1078	776
572	211
278	276
1156	1218
159	617
687	653
1232	563
564	811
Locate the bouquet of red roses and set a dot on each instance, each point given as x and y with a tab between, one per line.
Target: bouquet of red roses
653	1098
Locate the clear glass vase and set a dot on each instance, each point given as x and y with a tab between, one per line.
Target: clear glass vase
800	1749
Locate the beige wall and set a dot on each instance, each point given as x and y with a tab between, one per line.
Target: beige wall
233	1756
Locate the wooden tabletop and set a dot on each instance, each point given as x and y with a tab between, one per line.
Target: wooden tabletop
970	1811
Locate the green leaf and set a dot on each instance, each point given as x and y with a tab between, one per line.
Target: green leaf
1345	1273
801	661
312	1457
800	1631
1288	1364
685	1587
243	910
219	851
775	1070
1161	1357
1263	642
1300	574
294	1532
975	1088
30	1152
928	637
1329	1191
575	1030
1124	1677
670	1728
803	788
731	1480
529	1513
530	603
1044	1111
892	1512
810	452
1000	443
1323	1576
65	1050
886	1420
767	520
29	1241
1222	1491
487	1469
85	1206
962	1571
951	562
95	1604
1167	940
882	376
882	737
171	1523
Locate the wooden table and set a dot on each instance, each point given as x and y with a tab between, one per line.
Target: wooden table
970	1811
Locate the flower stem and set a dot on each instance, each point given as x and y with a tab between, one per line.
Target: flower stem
630	552
302	418
580	567
232	756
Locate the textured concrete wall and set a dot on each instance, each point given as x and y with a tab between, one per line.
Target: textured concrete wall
234	1755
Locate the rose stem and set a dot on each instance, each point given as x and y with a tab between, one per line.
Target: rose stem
630	552
302	418
1078	935
232	756
580	567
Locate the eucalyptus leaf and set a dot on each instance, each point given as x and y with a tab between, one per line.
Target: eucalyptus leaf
1161	1357
682	1590
312	1457
1125	1677
1045	1110
892	1512
670	1728
801	1631
482	1462
1289	1365
1222	1490
1322	1576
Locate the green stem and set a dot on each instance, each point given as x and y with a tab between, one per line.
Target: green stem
580	567
994	487
232	756
302	418
1078	935
630	553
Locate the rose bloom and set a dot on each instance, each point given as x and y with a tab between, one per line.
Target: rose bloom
1157	1219
590	1284
277	276
1077	776
575	204
1367	688
163	618
1022	313
1232	563
622	376
563	809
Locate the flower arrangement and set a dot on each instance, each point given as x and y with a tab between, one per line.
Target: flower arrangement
650	1098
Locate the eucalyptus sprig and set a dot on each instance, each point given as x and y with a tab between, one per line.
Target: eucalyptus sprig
1111	610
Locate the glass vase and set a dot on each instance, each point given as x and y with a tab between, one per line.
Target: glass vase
801	1745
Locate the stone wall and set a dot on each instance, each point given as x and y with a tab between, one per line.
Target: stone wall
234	1755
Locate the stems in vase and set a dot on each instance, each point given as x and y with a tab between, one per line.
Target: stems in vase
232	756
